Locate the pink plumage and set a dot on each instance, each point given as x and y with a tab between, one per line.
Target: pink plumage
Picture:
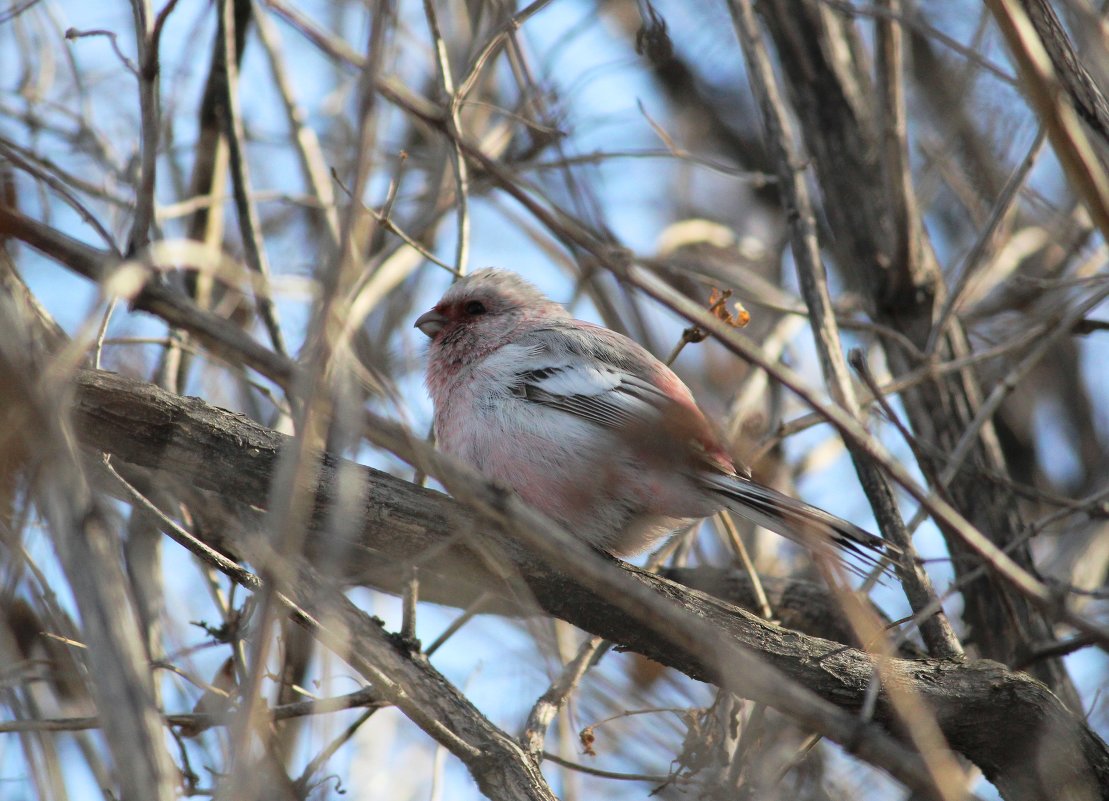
588	427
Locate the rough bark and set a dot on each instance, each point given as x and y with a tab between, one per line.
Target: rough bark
1004	721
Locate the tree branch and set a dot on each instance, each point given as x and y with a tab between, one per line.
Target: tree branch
974	702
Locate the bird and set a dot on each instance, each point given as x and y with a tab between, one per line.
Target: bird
588	427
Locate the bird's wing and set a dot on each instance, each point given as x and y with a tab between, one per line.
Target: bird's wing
606	378
597	392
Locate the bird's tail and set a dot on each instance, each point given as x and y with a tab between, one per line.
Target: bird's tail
796	520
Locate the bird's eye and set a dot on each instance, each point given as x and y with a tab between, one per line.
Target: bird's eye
474	307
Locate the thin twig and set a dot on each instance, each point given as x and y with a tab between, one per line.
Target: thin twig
196	722
22	159
73	34
986	239
550	702
654	778
319	760
490	49
458	162
736	541
1057	327
102	332
460	621
307	144
409	600
151	125
250	229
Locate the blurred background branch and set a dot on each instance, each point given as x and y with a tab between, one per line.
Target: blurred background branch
244	205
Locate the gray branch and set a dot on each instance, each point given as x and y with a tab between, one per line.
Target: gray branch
1007	723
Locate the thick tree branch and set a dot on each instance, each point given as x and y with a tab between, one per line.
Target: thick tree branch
228	455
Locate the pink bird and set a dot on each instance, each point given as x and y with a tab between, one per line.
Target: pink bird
588	427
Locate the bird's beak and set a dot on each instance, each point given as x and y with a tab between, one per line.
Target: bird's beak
430	323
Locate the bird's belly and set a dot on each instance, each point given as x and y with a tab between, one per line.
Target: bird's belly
583	476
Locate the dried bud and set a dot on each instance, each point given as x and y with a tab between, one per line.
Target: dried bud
587	739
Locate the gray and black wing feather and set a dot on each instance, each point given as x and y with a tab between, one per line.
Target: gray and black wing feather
799	521
609	398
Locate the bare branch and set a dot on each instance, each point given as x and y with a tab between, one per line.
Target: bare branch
148	427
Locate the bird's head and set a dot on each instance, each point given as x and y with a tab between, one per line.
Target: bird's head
480	312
